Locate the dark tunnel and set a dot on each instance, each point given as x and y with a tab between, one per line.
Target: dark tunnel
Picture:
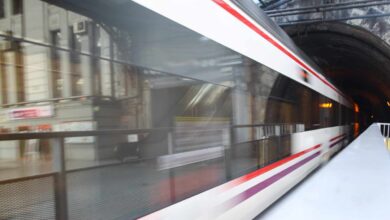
355	60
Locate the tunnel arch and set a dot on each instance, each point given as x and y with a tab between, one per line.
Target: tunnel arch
354	59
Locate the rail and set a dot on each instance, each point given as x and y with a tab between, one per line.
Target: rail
57	179
56	100
385	130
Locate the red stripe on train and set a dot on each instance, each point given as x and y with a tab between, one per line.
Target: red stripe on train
236	14
263	170
337	137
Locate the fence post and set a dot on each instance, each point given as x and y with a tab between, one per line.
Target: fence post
59	166
227	139
170	142
172	178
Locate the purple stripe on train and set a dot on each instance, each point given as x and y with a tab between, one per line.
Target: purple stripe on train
334	144
264	184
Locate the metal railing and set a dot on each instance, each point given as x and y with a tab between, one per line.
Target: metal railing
57	100
385	129
20	197
58	176
58	161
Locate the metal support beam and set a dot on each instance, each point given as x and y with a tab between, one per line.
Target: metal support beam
324	6
319	9
61	197
276	4
271	4
319	20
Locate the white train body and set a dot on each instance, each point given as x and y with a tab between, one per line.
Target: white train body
223	21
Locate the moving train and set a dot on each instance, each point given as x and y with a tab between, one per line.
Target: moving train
200	109
284	118
249	115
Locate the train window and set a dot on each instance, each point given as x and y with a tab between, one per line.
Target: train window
315	119
307	111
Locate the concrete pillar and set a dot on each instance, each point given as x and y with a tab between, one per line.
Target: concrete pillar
11	77
36	57
64	55
2	84
87	87
105	65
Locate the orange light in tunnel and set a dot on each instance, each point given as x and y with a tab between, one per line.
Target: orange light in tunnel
388	103
356	129
326	105
356	107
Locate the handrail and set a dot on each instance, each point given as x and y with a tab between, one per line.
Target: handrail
258	125
66	134
59	164
25	178
385	129
56	100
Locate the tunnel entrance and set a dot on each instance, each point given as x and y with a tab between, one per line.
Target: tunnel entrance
355	60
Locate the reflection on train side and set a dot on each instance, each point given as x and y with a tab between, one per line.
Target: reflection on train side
195	140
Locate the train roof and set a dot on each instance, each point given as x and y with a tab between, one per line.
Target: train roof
269	25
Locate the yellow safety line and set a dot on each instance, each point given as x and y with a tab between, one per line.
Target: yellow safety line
387	141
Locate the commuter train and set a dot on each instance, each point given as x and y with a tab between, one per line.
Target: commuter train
251	115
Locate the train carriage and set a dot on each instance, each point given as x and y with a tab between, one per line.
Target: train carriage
202	109
251	109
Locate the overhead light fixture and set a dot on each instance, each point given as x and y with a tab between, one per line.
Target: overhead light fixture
326	105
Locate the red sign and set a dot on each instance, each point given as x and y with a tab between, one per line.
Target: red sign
31	112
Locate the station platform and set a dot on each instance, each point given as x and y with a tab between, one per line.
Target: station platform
355	184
